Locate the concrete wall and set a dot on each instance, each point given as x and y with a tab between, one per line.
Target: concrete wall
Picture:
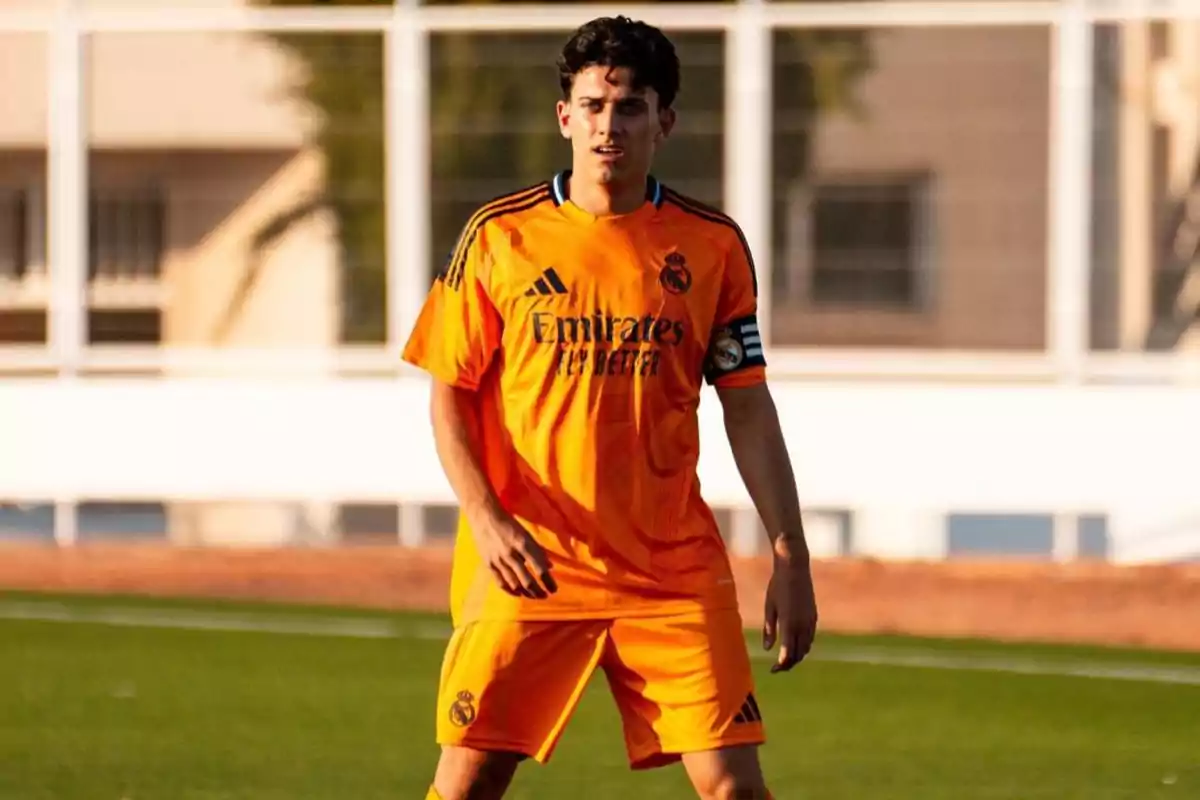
173	90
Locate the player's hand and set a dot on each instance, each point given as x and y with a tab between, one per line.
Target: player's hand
791	608
518	563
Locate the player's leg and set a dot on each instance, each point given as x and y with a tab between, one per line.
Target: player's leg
686	692
727	773
506	692
464	773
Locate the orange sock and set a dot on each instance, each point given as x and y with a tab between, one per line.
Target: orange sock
433	794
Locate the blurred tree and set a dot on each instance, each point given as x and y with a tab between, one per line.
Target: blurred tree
493	129
816	73
342	82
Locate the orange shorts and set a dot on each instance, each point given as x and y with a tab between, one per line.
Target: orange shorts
682	684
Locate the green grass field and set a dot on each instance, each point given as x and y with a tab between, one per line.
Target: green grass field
149	700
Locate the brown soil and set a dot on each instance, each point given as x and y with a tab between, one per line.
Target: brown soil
1086	603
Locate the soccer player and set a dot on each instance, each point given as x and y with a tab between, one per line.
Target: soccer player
568	338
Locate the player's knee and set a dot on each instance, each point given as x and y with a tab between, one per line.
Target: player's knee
727	774
467	774
733	787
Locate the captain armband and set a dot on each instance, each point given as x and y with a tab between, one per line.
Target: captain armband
734	347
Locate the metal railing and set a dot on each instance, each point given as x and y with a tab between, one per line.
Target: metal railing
748	27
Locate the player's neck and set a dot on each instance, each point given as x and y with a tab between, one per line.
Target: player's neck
607	199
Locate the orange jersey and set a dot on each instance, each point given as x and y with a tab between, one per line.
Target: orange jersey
588	340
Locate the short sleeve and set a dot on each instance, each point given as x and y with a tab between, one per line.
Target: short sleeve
735	353
458	331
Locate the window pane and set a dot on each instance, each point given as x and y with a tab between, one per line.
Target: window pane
1093	535
219	4
26	522
24	276
368	523
237	188
23	326
121	522
864	236
494	130
1146	187
583	18
910	194
125	326
999	535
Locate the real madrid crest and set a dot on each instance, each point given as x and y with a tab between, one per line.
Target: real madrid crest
462	710
674	276
727	351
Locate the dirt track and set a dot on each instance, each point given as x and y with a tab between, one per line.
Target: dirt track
1094	603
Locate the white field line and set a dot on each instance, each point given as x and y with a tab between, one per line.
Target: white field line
368	628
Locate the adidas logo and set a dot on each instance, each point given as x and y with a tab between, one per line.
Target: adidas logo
749	712
548	284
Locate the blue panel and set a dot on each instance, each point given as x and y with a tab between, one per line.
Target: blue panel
122	521
1023	535
27	522
1093	536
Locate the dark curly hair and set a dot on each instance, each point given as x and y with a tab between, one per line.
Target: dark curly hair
623	42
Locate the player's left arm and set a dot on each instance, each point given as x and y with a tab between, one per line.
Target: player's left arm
736	367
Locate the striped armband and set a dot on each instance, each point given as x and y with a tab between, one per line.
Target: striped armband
733	347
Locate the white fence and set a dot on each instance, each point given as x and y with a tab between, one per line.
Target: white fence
897	456
898	452
747	143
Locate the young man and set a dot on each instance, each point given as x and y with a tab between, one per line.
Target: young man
568	338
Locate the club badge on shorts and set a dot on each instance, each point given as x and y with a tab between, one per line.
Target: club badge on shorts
462	710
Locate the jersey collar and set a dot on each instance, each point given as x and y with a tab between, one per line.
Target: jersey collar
559	191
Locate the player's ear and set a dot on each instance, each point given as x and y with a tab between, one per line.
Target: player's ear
563	111
666	122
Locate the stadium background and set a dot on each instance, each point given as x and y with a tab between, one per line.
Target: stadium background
974	225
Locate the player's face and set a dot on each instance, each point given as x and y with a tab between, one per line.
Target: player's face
614	128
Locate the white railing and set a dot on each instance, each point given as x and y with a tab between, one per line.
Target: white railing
407	26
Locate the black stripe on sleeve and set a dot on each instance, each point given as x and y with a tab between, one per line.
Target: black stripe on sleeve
706	212
452	276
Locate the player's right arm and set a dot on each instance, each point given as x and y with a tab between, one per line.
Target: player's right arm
518	563
455	340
